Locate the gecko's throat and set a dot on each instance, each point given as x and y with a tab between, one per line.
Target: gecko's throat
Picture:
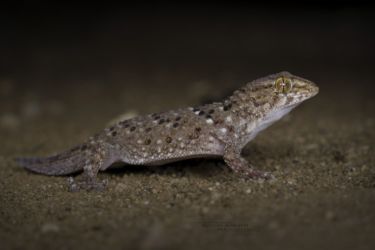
272	117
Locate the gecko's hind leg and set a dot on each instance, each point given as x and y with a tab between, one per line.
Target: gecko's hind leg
88	180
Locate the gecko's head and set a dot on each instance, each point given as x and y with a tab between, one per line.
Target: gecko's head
281	91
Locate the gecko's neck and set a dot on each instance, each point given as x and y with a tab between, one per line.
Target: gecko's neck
253	114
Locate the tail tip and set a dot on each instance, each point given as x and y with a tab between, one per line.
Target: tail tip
23	161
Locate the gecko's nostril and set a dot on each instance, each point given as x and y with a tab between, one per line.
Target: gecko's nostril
314	88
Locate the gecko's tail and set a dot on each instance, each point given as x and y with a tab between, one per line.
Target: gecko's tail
68	162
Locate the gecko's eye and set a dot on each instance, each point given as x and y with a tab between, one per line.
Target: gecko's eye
283	85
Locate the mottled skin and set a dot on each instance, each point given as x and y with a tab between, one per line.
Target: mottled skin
219	129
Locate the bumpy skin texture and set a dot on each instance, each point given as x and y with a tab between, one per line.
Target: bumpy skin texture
214	130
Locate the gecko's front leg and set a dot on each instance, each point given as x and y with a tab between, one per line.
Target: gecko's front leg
234	160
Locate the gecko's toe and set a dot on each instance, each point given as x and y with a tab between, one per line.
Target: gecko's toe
72	185
88	185
267	176
258	175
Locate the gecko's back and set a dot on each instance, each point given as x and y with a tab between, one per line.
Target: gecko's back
169	136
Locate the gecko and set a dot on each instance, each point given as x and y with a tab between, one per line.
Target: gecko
215	130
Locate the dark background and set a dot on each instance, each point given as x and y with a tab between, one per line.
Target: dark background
67	69
45	41
50	47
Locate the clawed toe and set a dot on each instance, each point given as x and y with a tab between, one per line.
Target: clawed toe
255	174
266	175
88	185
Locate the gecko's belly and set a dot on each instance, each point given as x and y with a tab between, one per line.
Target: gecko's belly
155	158
158	161
181	158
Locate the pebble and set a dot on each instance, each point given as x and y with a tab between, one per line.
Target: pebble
364	168
154	237
9	121
31	109
291	181
205	210
55	108
273	225
6	87
120	187
50	228
311	146
329	215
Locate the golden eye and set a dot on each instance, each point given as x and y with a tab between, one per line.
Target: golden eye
283	85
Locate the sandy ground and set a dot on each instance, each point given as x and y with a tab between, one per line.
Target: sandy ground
322	155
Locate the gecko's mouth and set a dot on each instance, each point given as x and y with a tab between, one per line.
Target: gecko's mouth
288	107
307	95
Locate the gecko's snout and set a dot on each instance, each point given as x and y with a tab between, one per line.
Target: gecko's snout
305	88
314	89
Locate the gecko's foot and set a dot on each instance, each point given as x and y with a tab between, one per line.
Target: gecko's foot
88	185
256	174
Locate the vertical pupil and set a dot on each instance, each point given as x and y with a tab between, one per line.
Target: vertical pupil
283	85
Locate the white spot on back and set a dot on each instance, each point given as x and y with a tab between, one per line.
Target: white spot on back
223	130
209	121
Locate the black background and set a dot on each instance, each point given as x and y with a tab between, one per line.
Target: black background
59	42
